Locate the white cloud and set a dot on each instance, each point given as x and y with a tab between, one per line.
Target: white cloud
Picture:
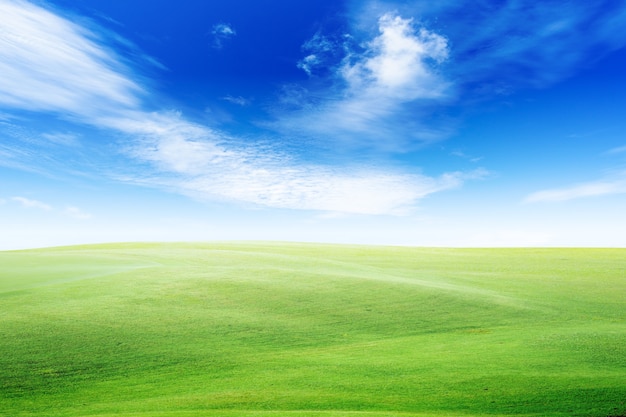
221	32
308	63
49	63
396	63
378	81
76	213
518	44
524	43
194	160
463	155
320	44
238	100
322	51
609	186
317	188
70	211
28	203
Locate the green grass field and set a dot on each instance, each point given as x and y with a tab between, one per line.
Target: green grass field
255	329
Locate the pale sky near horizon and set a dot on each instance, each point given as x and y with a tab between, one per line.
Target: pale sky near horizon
448	123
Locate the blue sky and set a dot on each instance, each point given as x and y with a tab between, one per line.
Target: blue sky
448	123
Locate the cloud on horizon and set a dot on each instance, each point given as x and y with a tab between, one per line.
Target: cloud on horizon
29	203
197	161
76	213
604	187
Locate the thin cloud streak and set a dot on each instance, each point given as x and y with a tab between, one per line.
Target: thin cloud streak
618	150
76	213
238	100
29	203
49	63
609	186
63	139
503	46
322	53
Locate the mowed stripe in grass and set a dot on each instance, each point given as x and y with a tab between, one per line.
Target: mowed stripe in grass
256	329
29	269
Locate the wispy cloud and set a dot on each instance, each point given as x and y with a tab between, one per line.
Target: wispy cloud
222	32
603	187
29	203
391	90
55	65
308	63
194	160
76	213
396	64
463	155
50	63
18	157
502	46
65	139
618	150
4	117
374	82
498	47
52	154
238	100
323	52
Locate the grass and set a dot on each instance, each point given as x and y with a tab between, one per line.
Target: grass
253	329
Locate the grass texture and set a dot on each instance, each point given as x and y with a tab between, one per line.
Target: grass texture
303	330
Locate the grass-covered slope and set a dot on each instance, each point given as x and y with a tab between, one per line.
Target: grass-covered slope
178	330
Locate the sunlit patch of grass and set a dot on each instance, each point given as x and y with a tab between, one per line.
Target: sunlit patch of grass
254	329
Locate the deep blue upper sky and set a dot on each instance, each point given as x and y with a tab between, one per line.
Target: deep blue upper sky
402	122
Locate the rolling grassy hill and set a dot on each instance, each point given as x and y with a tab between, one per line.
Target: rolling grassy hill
258	329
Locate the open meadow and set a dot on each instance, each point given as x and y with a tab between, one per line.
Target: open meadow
307	330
